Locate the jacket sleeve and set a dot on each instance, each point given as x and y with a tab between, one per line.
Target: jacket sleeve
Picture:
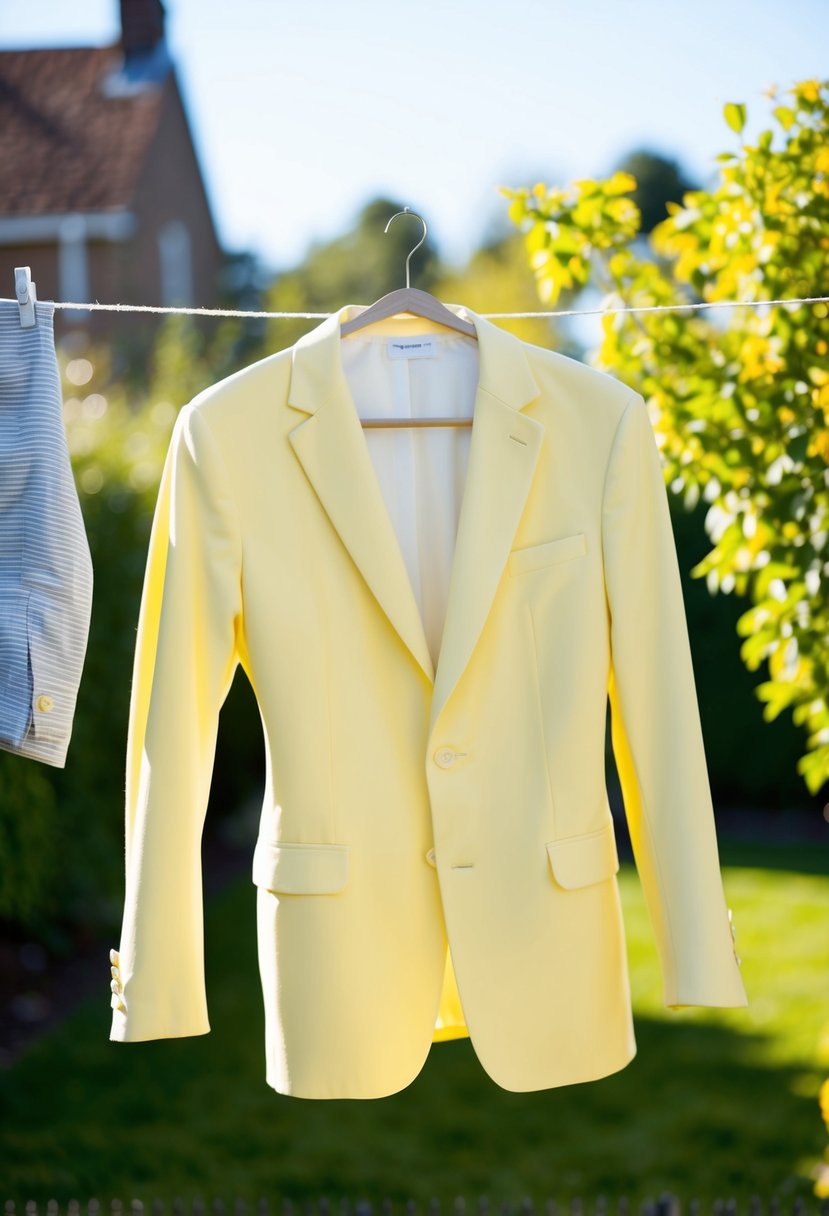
656	732
185	657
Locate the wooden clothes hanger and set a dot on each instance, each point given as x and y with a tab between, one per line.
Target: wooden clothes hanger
419	304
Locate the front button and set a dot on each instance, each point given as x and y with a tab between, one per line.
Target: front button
430	857
44	703
445	757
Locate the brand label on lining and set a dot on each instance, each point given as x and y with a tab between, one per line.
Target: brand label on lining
412	348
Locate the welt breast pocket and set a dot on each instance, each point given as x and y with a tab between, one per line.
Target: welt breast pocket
547	553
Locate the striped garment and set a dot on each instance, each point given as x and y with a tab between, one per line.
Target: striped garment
45	563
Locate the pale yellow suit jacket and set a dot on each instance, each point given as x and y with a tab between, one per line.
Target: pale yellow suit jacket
413	806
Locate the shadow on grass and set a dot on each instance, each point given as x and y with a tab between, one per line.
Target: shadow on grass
699	1112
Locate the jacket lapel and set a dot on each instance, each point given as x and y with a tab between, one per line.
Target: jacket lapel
503	451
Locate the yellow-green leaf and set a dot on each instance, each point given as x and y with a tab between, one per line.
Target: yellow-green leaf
735	115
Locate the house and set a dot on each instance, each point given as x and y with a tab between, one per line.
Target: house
102	194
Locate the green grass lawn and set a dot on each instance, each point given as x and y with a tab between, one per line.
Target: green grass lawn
716	1102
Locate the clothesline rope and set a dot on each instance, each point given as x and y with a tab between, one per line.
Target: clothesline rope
569	312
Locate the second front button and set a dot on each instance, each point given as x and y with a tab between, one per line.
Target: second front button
444	756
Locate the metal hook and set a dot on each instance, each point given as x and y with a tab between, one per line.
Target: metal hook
408	211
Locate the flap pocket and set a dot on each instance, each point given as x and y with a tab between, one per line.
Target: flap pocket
577	861
300	869
547	553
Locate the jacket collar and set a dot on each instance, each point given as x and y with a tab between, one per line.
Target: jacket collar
504	445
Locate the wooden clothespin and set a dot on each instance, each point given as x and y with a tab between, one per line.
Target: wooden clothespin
26	296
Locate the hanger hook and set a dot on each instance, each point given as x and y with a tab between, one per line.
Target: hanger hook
408	211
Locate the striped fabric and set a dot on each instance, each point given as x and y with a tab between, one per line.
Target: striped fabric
45	563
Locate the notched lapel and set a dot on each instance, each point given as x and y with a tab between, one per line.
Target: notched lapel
503	452
332	450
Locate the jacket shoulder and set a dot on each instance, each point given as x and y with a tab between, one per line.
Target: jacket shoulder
239	398
596	396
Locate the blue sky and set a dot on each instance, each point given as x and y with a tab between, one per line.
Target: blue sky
302	112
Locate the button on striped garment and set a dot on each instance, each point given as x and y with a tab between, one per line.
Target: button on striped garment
45	563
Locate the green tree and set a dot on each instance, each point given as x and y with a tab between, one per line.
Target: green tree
659	182
739	397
